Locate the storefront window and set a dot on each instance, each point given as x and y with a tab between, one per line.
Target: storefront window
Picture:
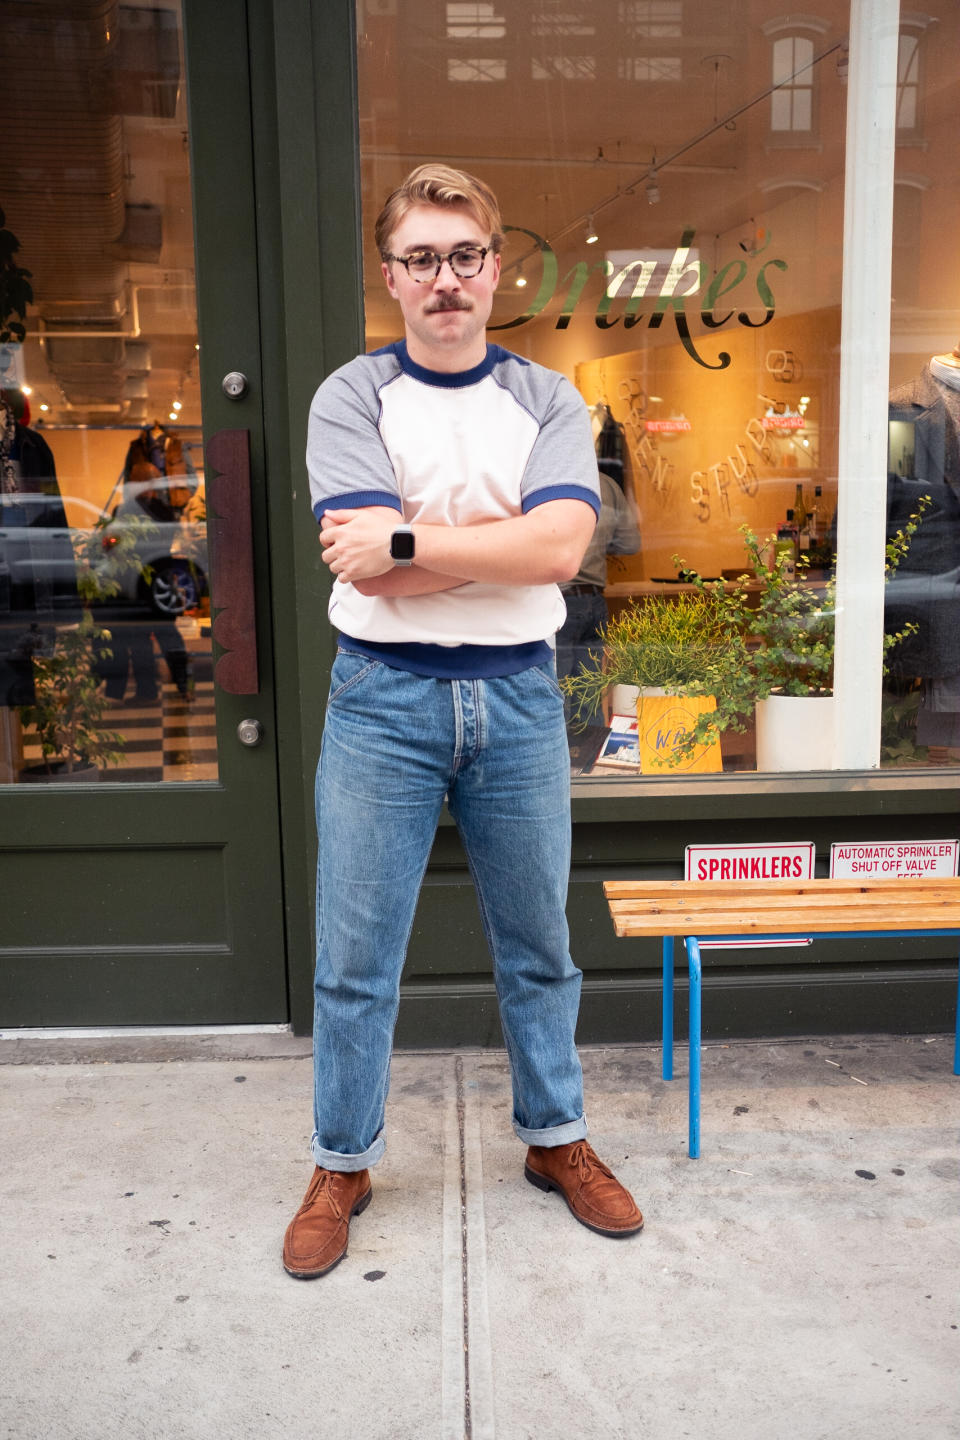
673	189
922	687
105	650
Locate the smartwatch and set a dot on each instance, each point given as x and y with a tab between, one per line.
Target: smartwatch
402	545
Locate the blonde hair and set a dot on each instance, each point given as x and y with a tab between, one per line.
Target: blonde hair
440	185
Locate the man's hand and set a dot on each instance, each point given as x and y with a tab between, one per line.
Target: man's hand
356	543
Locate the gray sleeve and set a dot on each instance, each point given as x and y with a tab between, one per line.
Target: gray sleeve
347	461
562	463
625	539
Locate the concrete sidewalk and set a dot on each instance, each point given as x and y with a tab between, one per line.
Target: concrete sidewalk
799	1280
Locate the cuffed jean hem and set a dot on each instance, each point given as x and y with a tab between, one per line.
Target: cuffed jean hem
555	1134
349	1164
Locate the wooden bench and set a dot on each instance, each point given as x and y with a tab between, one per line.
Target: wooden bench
717	913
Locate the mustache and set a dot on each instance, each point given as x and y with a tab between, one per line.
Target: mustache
449	302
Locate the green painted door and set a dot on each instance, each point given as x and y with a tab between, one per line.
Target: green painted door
139	830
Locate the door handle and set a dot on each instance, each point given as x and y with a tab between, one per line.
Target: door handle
230	541
250	732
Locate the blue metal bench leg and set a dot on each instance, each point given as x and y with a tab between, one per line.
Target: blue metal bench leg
696	973
666	1064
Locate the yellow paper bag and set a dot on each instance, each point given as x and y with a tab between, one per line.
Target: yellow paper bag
663	722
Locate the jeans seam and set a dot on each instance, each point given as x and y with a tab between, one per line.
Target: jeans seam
488	933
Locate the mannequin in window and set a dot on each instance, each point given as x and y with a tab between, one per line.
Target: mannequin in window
159	472
158	483
925	460
29	610
616	533
27	465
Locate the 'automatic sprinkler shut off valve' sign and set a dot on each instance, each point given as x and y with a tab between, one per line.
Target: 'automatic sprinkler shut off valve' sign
896	860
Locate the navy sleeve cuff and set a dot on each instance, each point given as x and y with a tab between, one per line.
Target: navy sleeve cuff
357	500
561	492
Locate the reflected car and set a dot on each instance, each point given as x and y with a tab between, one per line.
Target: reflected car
169	545
165	566
38	567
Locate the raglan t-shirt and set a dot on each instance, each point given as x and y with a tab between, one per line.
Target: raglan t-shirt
450	449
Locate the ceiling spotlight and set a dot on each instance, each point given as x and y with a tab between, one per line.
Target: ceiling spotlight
174	415
653	190
521	279
177	405
590	234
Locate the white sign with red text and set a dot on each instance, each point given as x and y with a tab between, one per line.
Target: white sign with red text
894	860
750	862
793	861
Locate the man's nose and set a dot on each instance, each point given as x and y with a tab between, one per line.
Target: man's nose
446	276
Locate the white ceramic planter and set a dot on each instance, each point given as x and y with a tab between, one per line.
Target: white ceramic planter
624	699
795	732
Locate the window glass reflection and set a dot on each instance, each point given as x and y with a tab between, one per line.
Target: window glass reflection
105	650
674	203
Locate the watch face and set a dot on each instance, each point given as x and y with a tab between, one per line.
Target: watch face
401	545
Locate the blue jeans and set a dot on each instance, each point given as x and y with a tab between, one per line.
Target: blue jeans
394	745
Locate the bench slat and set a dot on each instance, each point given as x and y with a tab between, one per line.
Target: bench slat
790	923
621	889
692	907
759	904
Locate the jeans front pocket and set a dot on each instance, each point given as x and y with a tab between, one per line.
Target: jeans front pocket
349	668
546	676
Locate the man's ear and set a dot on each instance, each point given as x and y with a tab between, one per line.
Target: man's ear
388	276
496	270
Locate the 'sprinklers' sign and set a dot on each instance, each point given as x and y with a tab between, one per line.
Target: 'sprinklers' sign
895	860
793	861
750	862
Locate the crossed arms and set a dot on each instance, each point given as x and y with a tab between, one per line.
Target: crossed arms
542	547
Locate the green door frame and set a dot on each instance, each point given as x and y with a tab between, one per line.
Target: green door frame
303	80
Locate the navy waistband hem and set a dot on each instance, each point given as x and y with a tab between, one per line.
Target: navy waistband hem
453	662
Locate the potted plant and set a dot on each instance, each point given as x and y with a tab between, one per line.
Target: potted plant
686	661
787	625
68	706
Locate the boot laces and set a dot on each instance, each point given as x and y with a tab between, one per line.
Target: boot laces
586	1160
323	1190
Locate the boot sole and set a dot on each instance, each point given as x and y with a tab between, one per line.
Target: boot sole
542	1183
358	1209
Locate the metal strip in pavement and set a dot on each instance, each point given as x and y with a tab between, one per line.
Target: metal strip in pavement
467	1381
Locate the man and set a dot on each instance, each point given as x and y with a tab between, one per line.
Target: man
455	485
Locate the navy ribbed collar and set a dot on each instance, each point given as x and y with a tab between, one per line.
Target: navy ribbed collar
452	380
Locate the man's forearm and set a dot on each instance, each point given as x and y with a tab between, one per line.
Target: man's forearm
543	547
407	580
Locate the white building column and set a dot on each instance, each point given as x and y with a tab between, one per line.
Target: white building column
864	380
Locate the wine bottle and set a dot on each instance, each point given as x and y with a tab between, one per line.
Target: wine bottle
816	516
801	518
787	545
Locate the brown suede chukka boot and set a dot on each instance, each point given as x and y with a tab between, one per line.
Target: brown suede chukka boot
593	1194
316	1237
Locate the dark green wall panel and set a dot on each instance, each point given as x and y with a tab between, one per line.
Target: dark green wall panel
114	897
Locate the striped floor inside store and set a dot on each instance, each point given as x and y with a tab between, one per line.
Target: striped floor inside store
172	738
